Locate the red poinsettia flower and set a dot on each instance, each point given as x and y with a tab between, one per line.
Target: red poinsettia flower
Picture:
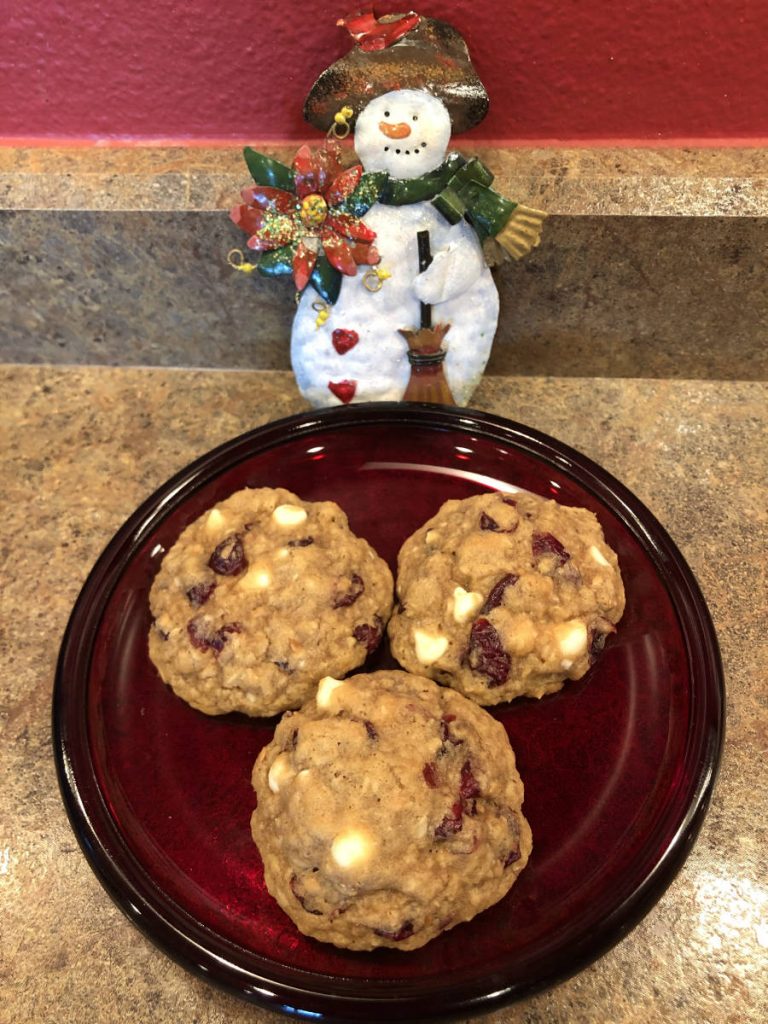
312	217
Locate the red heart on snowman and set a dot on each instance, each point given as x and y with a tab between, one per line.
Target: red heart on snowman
343	340
343	389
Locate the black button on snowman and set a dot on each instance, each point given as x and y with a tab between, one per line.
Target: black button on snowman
396	300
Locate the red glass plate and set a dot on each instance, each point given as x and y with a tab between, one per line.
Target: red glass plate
618	767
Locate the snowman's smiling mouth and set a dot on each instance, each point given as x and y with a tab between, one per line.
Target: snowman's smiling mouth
415	147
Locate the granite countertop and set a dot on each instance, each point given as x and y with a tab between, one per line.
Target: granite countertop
84	446
608	180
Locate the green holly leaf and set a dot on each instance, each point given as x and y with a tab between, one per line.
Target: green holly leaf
278	261
326	280
266	171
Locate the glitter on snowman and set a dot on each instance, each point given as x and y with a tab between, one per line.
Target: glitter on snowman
397	301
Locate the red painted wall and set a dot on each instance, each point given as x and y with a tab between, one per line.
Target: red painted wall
232	69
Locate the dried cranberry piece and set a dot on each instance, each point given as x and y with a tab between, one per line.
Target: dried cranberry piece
510	501
200	593
512	856
301	898
344	598
514	828
469	786
485	653
489	523
496	596
369	634
445	733
228	558
451	823
302	542
405	931
206	639
370	728
429	771
543	544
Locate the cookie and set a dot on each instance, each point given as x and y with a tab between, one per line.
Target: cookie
502	596
262	596
389	810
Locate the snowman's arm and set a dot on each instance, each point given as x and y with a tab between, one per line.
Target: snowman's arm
454	268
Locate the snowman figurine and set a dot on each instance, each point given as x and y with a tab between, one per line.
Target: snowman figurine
415	308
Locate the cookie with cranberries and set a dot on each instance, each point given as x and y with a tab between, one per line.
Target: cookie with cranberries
261	597
389	811
505	595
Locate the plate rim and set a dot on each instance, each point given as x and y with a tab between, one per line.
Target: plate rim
151	910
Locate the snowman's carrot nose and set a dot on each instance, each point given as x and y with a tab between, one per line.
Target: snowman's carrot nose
395	131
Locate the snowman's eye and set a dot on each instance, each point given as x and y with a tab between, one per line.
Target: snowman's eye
386	113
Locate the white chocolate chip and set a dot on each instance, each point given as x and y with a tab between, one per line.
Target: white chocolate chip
428	646
255	579
325	690
571	638
289	515
280	773
565	664
599	557
351	848
431	536
465	604
214	522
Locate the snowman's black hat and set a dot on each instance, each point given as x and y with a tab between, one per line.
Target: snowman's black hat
427	54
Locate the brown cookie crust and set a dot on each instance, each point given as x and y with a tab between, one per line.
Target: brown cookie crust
262	596
501	596
389	810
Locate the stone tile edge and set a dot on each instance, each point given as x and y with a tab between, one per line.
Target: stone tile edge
686	181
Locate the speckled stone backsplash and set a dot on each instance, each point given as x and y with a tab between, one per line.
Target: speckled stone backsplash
651	265
605	296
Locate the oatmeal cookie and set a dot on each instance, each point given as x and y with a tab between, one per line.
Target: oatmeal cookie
262	596
502	596
389	810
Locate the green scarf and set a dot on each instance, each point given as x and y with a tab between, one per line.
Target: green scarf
459	188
